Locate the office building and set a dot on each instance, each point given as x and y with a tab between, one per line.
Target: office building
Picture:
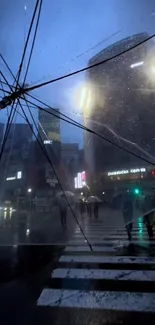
49	126
120	105
15	158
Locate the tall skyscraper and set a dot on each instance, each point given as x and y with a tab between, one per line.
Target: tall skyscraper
49	126
120	101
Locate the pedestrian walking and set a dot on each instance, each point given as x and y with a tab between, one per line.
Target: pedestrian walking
128	216
89	209
63	211
82	207
96	208
148	219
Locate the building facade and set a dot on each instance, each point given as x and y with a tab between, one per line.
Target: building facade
15	159
49	125
120	105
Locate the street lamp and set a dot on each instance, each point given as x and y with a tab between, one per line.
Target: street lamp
29	190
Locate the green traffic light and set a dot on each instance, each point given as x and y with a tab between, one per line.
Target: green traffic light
136	191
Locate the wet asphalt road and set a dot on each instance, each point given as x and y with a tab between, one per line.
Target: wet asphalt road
26	268
28	227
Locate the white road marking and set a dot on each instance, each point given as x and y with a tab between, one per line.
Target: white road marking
104	259
103	235
132	275
116	243
111	300
97	241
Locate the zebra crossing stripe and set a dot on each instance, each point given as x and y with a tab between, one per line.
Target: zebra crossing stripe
109	300
106	259
134	292
135	236
103	249
97	241
129	275
116	243
94	231
102	234
118	236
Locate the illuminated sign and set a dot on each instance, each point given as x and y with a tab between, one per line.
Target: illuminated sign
47	142
80	180
138	170
10	178
127	171
83	176
19	175
75	182
118	172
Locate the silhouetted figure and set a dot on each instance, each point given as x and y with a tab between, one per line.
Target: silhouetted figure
82	207
63	211
96	208
128	216
89	209
149	222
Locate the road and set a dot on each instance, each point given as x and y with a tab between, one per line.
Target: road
66	283
27	227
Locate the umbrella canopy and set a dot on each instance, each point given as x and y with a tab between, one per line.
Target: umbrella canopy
78	198
92	199
68	194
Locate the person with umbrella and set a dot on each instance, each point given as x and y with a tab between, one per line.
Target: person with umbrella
93	202
64	198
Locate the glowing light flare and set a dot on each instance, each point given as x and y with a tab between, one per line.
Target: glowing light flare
27	232
149	68
137	64
153	69
83	97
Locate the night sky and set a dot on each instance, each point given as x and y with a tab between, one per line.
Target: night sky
68	36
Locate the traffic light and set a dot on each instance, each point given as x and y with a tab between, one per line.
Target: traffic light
136	191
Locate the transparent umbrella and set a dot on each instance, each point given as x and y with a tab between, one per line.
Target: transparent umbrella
68	194
92	199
